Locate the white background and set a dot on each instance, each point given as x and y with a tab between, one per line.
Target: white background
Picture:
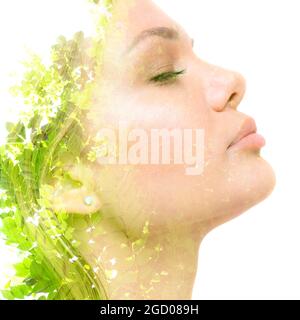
255	256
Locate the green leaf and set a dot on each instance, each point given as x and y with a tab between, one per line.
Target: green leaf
41	286
30	281
20	291
36	270
7	295
21	269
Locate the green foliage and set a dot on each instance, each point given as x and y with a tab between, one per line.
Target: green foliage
48	134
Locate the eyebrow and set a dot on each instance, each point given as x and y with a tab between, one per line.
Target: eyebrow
163	32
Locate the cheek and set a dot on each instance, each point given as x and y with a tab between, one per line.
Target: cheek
168	106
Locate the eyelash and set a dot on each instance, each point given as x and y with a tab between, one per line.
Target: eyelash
167	77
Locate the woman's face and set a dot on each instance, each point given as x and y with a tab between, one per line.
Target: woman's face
142	44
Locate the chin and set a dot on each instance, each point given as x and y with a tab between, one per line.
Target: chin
254	181
249	180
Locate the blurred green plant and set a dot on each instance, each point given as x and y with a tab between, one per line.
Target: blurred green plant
48	134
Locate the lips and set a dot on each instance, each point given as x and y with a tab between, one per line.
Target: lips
248	128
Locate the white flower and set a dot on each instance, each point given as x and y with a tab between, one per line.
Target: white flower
111	274
72	260
96	269
34	220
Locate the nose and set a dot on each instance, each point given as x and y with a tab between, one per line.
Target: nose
225	88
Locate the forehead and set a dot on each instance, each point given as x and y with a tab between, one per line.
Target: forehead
131	17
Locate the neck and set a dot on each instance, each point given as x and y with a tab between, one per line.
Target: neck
160	264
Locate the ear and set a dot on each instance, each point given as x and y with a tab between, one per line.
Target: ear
74	191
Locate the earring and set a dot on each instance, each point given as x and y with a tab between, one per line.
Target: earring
88	200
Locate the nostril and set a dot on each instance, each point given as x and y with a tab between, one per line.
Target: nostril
232	97
231	100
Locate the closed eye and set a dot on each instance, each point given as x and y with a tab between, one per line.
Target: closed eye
167	77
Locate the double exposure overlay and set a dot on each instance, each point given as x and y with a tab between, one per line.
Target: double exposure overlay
130	150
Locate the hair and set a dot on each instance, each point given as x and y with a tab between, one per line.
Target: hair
36	147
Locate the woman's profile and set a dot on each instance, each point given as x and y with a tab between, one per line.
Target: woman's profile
132	151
